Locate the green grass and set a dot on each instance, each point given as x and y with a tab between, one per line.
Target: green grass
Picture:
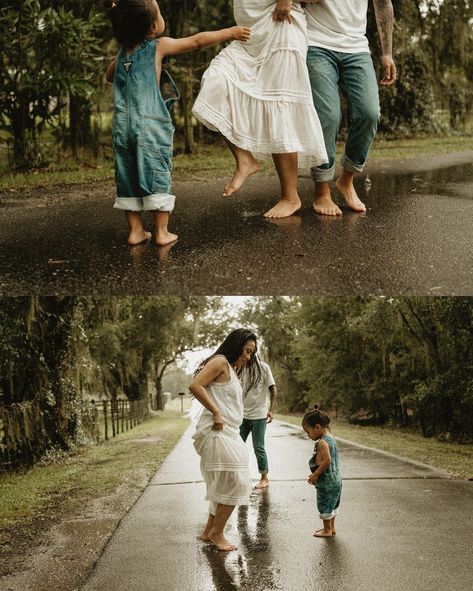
457	459
90	473
209	162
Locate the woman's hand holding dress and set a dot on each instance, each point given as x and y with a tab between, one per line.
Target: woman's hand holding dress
218	422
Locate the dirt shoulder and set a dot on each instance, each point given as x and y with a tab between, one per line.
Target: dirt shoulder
55	545
61	193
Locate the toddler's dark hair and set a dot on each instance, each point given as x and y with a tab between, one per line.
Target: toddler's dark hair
131	20
315	416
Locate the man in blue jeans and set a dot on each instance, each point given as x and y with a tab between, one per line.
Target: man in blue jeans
339	57
256	415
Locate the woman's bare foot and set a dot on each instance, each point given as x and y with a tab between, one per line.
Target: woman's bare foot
284	208
221	542
349	194
138	237
322	533
166	237
246	166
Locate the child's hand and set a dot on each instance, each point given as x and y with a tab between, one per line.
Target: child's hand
240	33
312	478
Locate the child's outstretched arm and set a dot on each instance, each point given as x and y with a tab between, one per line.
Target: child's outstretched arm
323	453
169	46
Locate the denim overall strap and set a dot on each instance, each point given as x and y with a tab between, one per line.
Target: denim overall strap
143	131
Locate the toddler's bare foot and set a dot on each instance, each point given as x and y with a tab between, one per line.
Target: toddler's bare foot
246	166
221	542
164	238
284	208
322	533
323	203
138	237
349	194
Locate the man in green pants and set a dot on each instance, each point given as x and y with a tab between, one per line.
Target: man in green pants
256	415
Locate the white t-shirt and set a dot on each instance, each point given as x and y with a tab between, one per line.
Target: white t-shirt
255	401
339	25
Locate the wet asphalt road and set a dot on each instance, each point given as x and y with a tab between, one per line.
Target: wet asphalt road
402	526
416	238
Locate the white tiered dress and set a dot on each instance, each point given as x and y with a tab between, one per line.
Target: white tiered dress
223	454
257	93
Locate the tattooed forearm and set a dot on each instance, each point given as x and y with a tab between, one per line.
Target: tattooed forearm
384	13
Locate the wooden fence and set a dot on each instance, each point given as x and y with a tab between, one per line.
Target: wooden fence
111	417
22	433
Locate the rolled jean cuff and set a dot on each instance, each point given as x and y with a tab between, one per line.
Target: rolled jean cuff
350	165
159	202
322	175
327	516
156	202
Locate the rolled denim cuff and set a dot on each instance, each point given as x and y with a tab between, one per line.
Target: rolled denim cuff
321	175
156	202
129	203
350	165
159	202
327	516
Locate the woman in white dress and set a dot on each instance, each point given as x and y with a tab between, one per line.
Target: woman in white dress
223	454
257	95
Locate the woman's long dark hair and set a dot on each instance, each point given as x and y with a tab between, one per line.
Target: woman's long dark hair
131	20
232	349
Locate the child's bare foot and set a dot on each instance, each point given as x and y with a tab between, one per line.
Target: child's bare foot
284	208
138	237
221	542
323	203
322	533
204	537
246	166
349	194
164	238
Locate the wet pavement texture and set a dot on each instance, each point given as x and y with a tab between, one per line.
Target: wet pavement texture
416	238
402	526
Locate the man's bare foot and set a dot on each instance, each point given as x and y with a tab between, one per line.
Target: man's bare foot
262	484
284	208
138	237
349	194
164	238
221	542
246	166
321	533
324	205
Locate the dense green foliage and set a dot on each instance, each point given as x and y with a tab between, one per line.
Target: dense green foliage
58	353
407	361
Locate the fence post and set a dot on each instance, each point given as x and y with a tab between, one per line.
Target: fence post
104	405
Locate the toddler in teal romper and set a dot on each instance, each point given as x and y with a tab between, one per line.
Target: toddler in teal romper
325	469
142	129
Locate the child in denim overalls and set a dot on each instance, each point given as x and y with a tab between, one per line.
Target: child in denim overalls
325	468
142	126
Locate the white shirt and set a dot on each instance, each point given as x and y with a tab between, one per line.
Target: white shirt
339	25
255	401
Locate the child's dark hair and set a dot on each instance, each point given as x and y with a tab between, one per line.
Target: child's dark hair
315	416
132	20
232	348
